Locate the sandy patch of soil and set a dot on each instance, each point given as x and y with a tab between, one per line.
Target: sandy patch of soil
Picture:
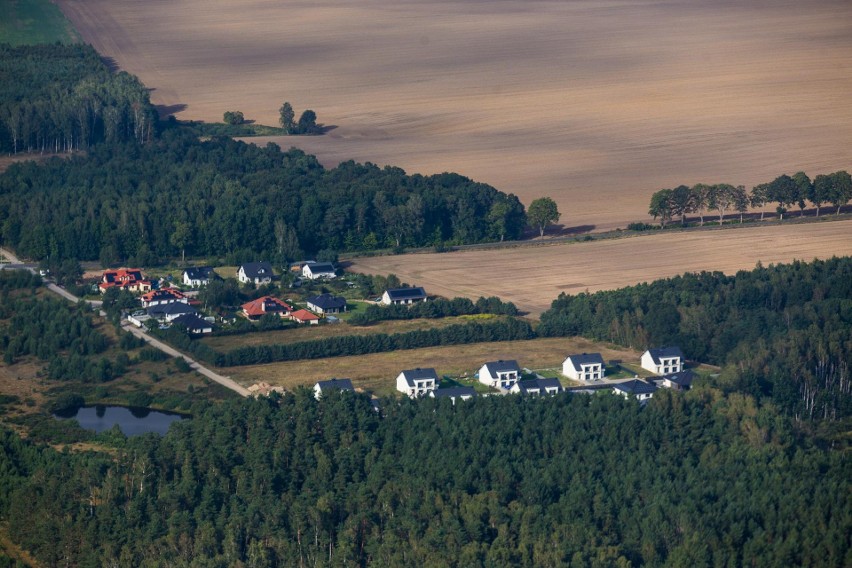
597	104
532	277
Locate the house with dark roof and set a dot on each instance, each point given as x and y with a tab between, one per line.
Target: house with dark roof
404	296
324	387
130	279
327	304
453	393
162	296
537	387
500	374
676	381
258	308
256	272
637	388
194	324
417	382
663	361
199	276
316	270
169	312
584	367
304	316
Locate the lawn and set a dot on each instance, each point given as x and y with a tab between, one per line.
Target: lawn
323	331
377	372
27	22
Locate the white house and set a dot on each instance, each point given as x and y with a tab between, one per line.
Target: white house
326	304
314	270
663	361
537	386
584	367
417	382
453	393
194	324
198	276
332	384
170	312
403	296
500	374
637	388
257	272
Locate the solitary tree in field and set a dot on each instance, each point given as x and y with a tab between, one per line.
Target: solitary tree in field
541	213
307	122
288	118
233	117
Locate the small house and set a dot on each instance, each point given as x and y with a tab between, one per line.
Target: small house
198	276
584	367
327	304
641	390
676	381
500	374
258	308
537	387
169	312
316	270
255	272
194	324
304	316
324	387
403	296
453	393
663	361
417	382
162	296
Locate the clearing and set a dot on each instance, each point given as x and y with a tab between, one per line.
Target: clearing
532	277
597	104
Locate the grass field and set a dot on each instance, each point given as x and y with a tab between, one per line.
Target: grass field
377	372
533	277
313	332
27	22
597	104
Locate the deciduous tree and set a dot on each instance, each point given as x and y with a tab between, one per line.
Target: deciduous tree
541	213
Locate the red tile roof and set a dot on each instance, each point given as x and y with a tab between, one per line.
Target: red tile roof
266	305
304	315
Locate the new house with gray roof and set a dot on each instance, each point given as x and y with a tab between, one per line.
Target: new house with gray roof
537	387
256	272
584	367
500	374
663	361
403	296
324	387
636	388
417	382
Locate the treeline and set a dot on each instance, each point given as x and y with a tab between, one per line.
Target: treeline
695	480
220	198
18	279
784	331
438	308
507	329
786	191
58	98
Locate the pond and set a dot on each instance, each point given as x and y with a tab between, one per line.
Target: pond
132	421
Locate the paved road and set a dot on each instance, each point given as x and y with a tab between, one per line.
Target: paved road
127	326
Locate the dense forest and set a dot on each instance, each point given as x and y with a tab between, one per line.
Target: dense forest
139	203
784	331
695	480
58	98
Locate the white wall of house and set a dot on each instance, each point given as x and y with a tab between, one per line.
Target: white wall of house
503	380
421	387
588	372
667	364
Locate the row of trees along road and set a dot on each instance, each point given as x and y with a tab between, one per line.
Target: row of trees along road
786	191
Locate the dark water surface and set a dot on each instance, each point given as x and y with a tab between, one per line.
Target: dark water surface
132	421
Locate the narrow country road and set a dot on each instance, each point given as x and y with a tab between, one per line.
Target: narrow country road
222	380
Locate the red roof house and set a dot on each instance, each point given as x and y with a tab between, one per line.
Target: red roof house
130	279
266	305
163	296
304	316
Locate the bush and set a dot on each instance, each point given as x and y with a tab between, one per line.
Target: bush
640	227
233	117
66	401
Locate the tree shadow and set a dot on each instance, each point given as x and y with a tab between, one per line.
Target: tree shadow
166	111
111	63
578	230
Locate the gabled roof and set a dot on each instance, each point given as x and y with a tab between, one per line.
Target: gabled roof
684	378
320	267
193	322
122	275
254	270
336	384
539	384
161	294
265	305
577	361
411	375
328	302
406	293
175	308
657	354
453	392
635	386
200	273
501	366
304	315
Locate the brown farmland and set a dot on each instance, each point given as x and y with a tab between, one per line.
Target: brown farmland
595	103
532	277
